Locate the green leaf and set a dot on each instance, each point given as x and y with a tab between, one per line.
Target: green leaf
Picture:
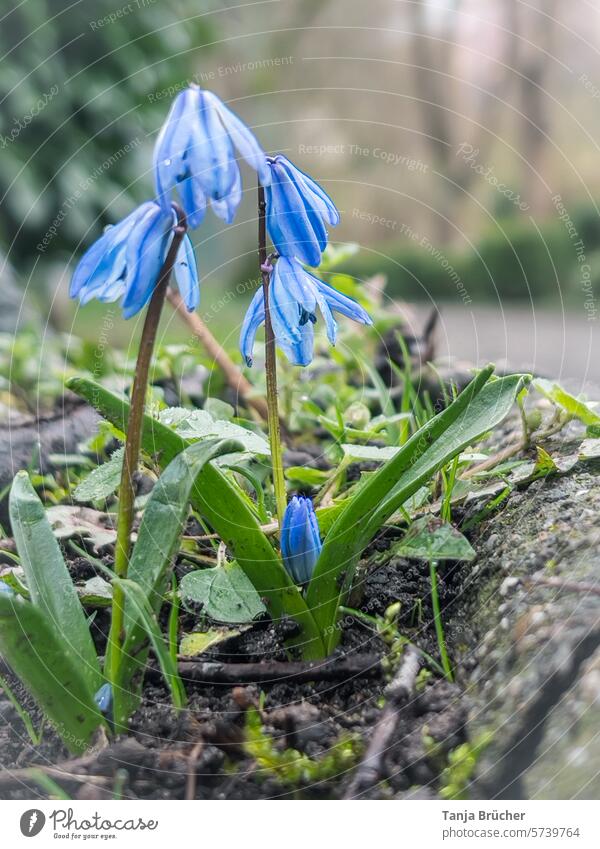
574	406
219	409
431	539
217	500
362	453
48	579
306	476
39	657
139	608
225	593
96	592
199	424
103	481
544	464
326	516
477	409
199	641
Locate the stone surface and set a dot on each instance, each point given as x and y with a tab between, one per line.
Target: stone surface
532	650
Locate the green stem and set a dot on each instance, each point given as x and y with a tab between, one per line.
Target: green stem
271	367
437	618
125	512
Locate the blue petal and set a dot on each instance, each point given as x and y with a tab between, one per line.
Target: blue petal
145	252
299	351
297	282
255	316
289	224
186	274
93	261
342	303
330	321
242	138
219	150
104	261
211	151
320	199
313	206
316	543
283	309
172	145
300	539
193	201
226	207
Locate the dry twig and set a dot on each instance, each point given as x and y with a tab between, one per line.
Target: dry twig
371	768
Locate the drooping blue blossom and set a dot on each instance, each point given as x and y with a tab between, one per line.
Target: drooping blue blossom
104	700
294	295
126	261
300	539
297	211
195	153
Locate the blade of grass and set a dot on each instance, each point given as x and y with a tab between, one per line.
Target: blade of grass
437	619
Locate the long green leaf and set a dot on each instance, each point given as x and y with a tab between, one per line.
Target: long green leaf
48	578
475	411
218	502
38	656
158	537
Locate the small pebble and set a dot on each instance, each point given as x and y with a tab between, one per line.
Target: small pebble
509	584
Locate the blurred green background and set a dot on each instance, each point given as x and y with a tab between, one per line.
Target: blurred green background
459	140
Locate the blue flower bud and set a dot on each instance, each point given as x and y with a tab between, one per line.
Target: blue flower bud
195	154
297	211
104	700
300	539
294	295
127	259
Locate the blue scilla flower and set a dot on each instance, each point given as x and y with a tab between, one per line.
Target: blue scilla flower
195	153
294	295
300	539
297	211
126	261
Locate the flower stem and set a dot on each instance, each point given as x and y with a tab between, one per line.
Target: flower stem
133	438
271	366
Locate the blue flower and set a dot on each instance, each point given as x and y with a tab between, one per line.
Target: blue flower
297	211
194	153
294	295
300	539
104	700
126	261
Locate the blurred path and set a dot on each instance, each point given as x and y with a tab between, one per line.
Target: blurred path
551	343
